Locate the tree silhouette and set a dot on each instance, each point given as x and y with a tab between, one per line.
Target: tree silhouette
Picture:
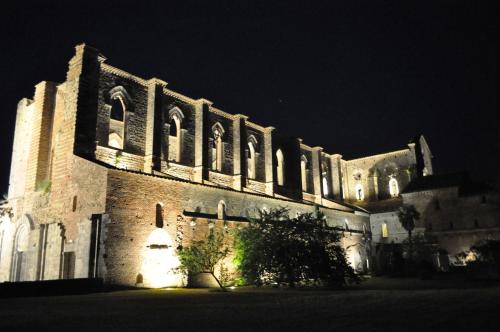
407	216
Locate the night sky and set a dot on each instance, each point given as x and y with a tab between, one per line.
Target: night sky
355	77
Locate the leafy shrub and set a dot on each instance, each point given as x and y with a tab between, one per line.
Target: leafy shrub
278	249
202	256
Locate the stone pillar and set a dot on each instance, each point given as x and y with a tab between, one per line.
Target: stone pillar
238	124
154	124
199	153
41	131
375	185
268	159
344	177
19	161
82	79
316	171
54	251
336	176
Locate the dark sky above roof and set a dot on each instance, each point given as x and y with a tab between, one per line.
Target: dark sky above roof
356	77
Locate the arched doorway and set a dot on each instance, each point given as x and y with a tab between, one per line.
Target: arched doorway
160	261
20	251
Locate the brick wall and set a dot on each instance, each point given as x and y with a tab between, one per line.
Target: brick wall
131	205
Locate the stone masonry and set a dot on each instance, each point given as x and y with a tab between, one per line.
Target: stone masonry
111	172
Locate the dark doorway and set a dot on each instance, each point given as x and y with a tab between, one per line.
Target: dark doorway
69	265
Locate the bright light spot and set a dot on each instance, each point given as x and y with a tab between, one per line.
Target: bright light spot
161	261
232	287
471	257
115	141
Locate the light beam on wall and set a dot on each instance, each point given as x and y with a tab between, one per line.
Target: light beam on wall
160	262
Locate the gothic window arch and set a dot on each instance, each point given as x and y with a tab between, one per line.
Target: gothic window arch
393	187
303	172
324	180
175	140
280	167
120	105
20	249
252	158
385	230
117	108
218	147
360	195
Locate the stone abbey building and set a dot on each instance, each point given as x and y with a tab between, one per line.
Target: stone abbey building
111	172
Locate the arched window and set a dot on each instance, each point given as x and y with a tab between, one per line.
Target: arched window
218	148
385	231
360	195
324	181
280	167
221	210
117	122
174	126
119	101
159	215
325	184
393	187
175	139
251	160
175	136
117	108
303	172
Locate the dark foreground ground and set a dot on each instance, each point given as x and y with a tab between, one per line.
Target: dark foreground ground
376	305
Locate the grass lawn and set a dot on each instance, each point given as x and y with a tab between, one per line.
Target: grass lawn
376	305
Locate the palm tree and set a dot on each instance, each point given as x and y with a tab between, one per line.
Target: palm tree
408	215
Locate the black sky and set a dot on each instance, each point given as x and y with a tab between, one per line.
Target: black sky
356	77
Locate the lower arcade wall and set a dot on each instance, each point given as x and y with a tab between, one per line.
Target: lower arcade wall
137	252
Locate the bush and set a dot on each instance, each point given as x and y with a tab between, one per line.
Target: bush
277	249
203	255
482	260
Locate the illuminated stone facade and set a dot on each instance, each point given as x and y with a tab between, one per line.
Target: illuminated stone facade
455	213
111	172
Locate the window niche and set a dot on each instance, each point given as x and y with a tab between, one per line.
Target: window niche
217	147
325	184
159	215
360	195
252	158
119	103
280	167
385	231
175	138
393	187
303	172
